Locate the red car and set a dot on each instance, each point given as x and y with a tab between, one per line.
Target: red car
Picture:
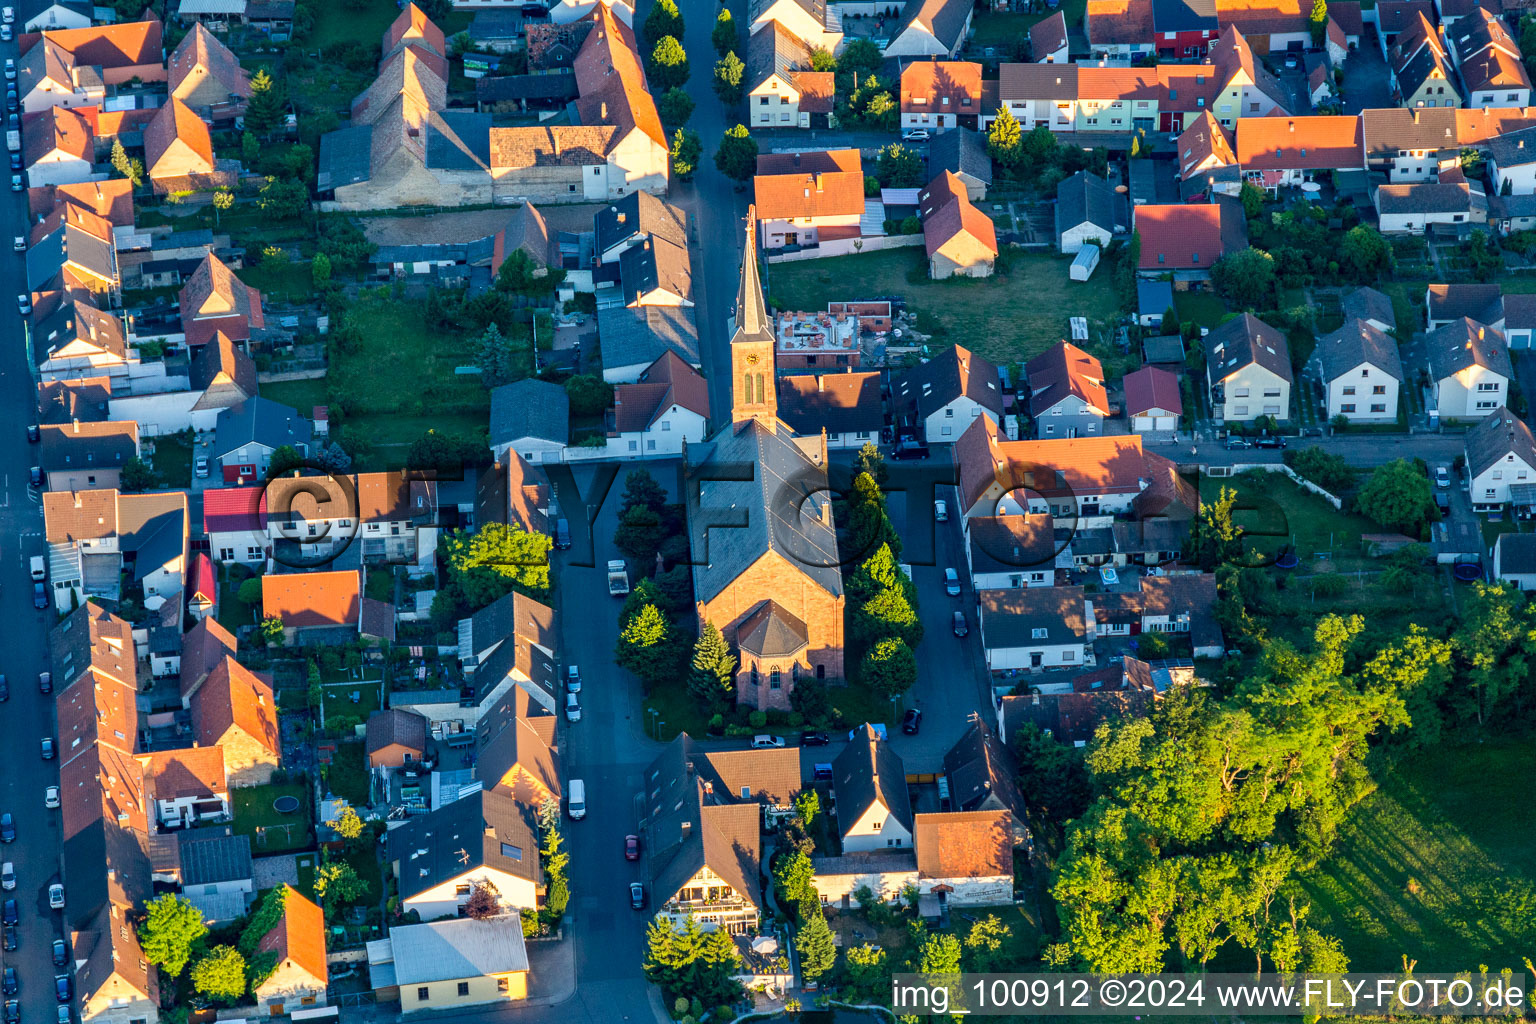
631	847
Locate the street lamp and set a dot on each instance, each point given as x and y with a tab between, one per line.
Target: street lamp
652	714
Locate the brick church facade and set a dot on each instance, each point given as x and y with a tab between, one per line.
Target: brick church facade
766	568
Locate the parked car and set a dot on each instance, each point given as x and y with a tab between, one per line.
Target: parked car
63	1015
7	33
940	512
47	748
9	17
911	721
45	682
34	433
12	1012
917	135
1269	442
62	989
16	183
910	449
814	739
961	627
19	243
202	466
56	896
1234	443
1442	476
763	741
24	304
572	708
35	476
60	953
562	535
8	876
51	798
951	583
12	984
11	913
631	847
7	828
10	939
636	896
39	596
572	679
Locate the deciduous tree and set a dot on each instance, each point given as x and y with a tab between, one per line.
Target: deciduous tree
668	64
496	559
737	156
172	926
890	667
664	20
724	36
220	974
1399	497
675	107
729	71
687	150
1246	278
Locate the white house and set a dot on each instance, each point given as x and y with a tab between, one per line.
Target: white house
235	520
874	811
667	408
216	874
816	24
941	397
532	417
1248	370
485	838
1501	453
884	872
1362	372
1152	400
1514	559
1088	209
1413	207
1034	628
60	14
189	786
1013	551
247	433
1470	370
846	406
1512	162
931	28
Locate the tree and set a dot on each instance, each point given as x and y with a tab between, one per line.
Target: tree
498	362
283	200
687	150
554	859
1317	22
1252	198
483	902
807	807
861	56
267	107
1399	497
639	535
668	65
724	36
137	475
940	954
664	20
589	394
319	270
984	944
648	646
220	974
794	879
814	943
346	824
337	882
868	460
497	559
1054	773
133	170
1246	278
890	667
1005	138
737	156
284	459
250	591
250	149
675	107
729	71
822	60
1330	472
270	631
712	675
692	961
172	926
899	167
866	970
1363	253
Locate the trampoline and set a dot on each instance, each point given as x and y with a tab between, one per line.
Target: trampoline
1287	560
1466	572
285	804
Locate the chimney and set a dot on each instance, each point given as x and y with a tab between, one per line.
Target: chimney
687	830
77	499
1292	125
602	111
709	788
797	160
1479	338
821	384
76	423
826	511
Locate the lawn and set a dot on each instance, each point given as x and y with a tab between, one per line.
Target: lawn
234	613
280	280
1276	512
677	711
1007	318
337	698
1435	865
380	585
1021	949
347	774
342	23
1203	308
302	395
254	812
173	461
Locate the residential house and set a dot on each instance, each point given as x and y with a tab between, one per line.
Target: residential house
189	787
1033	628
566	12
1469	368
965	858
1117	99
1446	303
203	649
1514	560
74	67
215	300
59	14
941	398
1519	320
1272	25
1247	87
86	456
633	338
221	376
1394	17
1512	162
235	710
1422	74
112	199
94	537
518	752
1186	240
869	785
516	493
940	94
1490	60
450	965
64	401
1088	209
1048	40
178	152
931	28
1501	455
235	522
1410	145
782	610
776	60
703	816
395	738
110	986
1037	94
667	408
1277	151
818	24
959	239
1066	392
1248	370
626	223
207	76
58	147
1153	403
805	199
202	587
215	872
983	776
485	839
846	407
1183	603
298	943
72	256
1362	373
963	153
508	643
1010	551
1512	213
245	436
1415	208
1184	28
532	417
1371	306
315	605
1119	30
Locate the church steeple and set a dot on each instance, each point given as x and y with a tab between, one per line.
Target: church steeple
754	387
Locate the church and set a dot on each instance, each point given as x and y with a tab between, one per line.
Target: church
766	569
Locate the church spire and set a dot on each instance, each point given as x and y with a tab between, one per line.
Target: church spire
754	387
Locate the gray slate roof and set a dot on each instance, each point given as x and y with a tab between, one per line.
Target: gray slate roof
962	152
1010	617
639	213
946	17
1244	340
1428	197
345	157
459	140
1358	342
459	949
482	829
947	376
868	772
214	859
1464	343
1368	304
263	421
1516	554
1088	198
530	408
1496	436
1513	148
640	334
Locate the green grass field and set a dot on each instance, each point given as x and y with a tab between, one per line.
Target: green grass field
1273	510
1204	308
279	281
1438	864
1007	318
254	811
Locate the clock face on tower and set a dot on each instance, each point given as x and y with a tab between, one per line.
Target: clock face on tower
752	360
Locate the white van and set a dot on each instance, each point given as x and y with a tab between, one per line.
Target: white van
576	799
39	568
8	876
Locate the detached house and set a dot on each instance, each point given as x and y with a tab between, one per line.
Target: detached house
805	199
1469	368
1088	210
1512	162
1048	40
207	76
1066	392
1415	208
518	753
818	24
665	409
960	240
940	398
509	643
1033	628
1248	370
1362	372
245	436
214	300
782	90
235	710
1501	455
531	417
1514	560
301	974
58	148
486	839
963	153
940	94
931	28
178	152
869	785
317	605
1490	61
1186	240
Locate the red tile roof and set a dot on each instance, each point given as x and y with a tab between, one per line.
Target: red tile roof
299	937
201	54
235	697
230	509
947	211
781	195
1205	143
414	28
109	46
1062	370
665	383
187	772
817	90
305	599
111	199
202	582
926	85
1347	14
177	123
1300	143
964	844
1118	83
611	79
1152	388
57	130
1179	237
1477	126
1262	17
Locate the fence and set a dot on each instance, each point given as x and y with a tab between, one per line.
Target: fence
846	247
1276	467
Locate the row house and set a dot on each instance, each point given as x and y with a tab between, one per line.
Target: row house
99	539
1179	602
782	89
391	516
846	407
1421	69
1184	28
666	409
1410	145
1282	151
58	147
509	644
1490	61
76	67
1119	30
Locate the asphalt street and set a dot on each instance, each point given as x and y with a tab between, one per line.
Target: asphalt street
28	715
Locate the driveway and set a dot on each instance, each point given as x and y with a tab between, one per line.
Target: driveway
1366	83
